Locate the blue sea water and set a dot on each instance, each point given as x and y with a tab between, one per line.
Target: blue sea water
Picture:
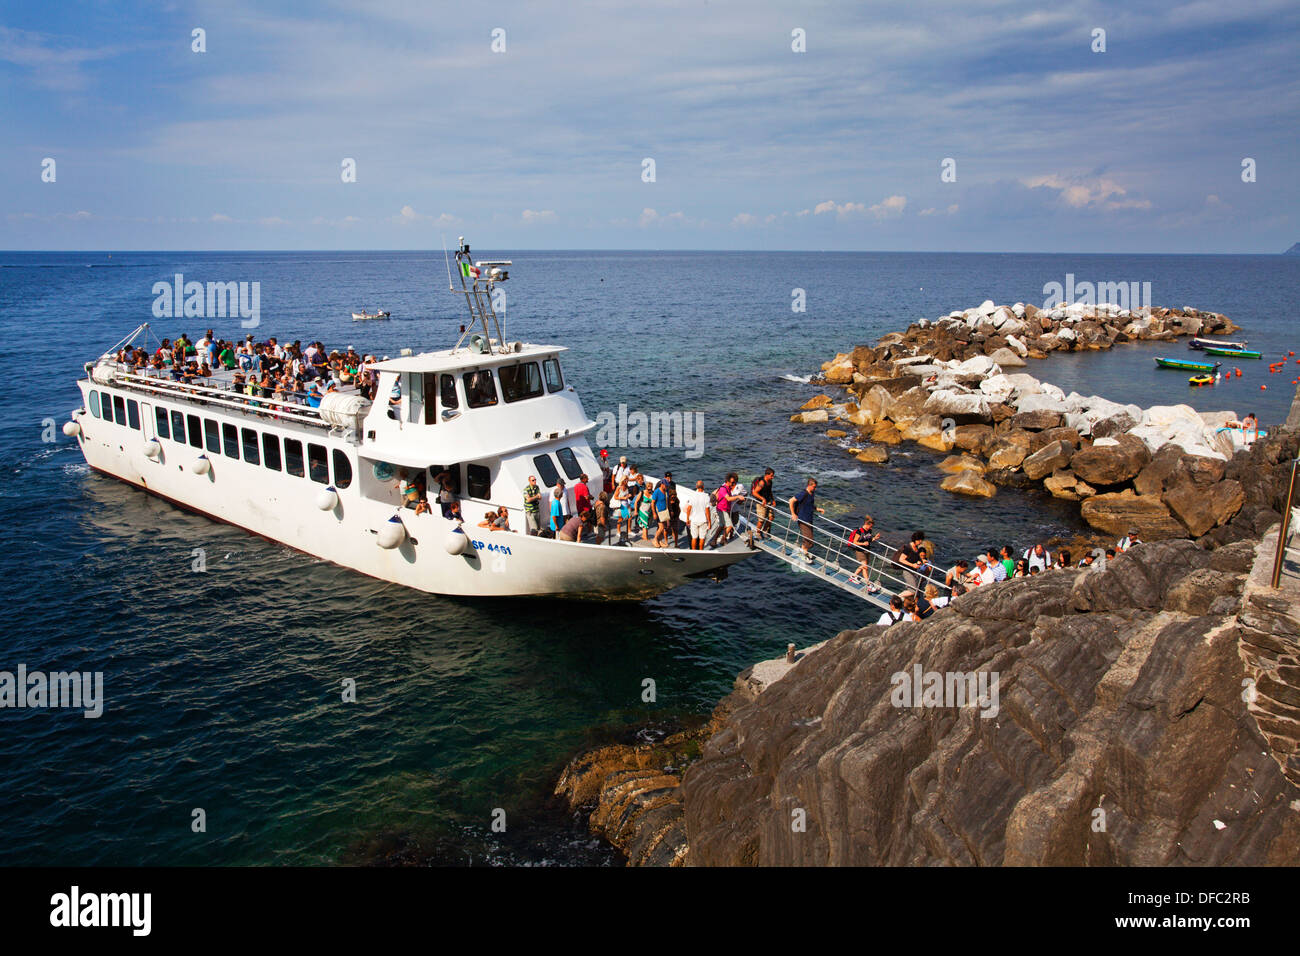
223	687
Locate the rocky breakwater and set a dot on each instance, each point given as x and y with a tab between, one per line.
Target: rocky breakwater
949	385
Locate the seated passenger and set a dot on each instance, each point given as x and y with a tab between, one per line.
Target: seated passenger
501	522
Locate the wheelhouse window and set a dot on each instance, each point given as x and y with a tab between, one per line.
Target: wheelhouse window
196	430
430	399
271	451
480	389
164	427
342	469
569	462
554	380
447	392
230	438
211	435
119	410
317	464
94	403
293	457
546	470
478	480
520	381
133	413
250	446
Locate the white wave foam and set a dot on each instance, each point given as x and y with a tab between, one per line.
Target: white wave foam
797	379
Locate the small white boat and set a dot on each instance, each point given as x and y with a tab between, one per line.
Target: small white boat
1201	344
360	316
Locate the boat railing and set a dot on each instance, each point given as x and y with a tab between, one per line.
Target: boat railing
225	398
828	545
1284	531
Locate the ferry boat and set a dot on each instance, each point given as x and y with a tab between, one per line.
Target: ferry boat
363	315
485	415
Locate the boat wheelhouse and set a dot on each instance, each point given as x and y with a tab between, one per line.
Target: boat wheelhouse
322	476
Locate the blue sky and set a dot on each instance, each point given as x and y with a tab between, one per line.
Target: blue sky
756	146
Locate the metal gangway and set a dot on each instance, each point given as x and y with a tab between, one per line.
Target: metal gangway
823	551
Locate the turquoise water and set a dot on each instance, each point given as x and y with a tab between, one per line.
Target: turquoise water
223	688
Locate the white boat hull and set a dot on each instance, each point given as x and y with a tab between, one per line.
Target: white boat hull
282	508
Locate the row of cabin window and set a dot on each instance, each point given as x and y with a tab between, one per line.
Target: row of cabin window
233	442
518	382
478	478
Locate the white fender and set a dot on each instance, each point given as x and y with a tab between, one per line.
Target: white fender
456	542
200	465
391	533
327	499
71	429
152	449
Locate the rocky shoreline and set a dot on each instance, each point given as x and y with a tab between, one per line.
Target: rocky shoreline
944	384
1148	714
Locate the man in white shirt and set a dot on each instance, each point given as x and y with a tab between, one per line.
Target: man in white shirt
894	614
983	573
697	514
622	471
1038	557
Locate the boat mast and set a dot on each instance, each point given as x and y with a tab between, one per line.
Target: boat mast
477	280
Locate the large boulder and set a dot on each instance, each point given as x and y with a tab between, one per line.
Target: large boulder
1038	439
963	409
1201	508
1118	423
1040	401
1048	459
811	418
1159	472
972	437
874	455
1116	513
1009	450
1066	485
1111	464
1005	358
1036	420
970	483
884	433
955	464
817	401
928	430
975	365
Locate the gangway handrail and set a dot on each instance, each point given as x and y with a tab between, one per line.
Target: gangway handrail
1283	531
830	543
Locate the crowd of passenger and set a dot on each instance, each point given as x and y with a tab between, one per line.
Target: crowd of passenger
293	374
923	594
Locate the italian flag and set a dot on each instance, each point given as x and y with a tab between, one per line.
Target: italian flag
468	271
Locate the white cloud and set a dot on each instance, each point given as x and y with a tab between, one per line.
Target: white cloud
889	208
539	215
1083	192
